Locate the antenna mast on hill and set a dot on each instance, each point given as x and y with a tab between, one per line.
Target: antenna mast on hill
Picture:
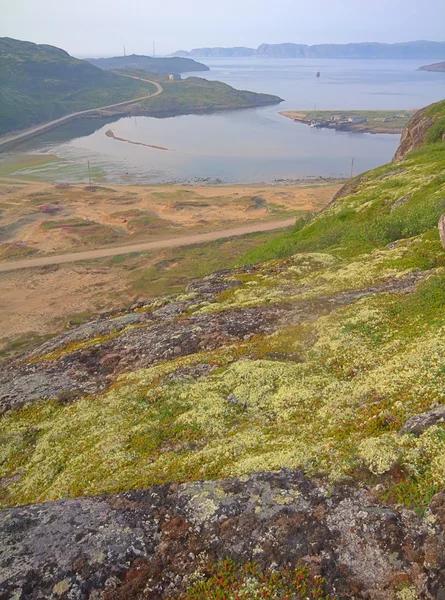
154	50
125	52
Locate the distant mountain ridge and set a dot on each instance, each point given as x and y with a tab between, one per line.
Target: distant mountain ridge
418	49
437	67
151	64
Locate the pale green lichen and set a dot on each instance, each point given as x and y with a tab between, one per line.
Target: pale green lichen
380	455
408	593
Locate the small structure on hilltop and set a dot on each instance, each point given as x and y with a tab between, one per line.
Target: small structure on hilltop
174	77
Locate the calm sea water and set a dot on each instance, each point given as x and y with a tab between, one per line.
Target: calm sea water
254	145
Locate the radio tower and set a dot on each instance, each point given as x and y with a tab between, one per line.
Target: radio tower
154	50
125	53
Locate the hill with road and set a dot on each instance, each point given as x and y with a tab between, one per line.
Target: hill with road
417	49
39	83
277	430
157	66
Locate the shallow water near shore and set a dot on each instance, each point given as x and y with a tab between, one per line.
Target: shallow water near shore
251	145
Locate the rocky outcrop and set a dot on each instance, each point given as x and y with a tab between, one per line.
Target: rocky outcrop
155	543
414	133
420	423
89	358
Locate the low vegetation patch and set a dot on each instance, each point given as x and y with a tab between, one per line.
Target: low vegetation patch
230	581
89	232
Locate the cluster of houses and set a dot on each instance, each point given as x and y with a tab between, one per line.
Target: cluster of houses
338	121
345	122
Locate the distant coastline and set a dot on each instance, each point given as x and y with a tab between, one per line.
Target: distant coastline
371	50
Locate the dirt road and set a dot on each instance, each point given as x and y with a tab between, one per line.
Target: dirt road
189	240
8	141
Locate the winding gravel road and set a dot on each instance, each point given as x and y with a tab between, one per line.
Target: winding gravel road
7	142
189	240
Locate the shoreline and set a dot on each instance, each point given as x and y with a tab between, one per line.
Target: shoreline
13	139
307	117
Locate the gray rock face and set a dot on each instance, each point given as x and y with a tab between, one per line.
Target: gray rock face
401	201
414	134
420	423
148	544
59	369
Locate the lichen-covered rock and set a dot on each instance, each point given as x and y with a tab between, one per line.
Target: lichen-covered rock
420	423
87	359
153	543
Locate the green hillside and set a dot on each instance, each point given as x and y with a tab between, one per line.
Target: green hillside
396	201
39	83
150	64
200	95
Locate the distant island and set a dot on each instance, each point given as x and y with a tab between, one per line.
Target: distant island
438	67
363	121
417	50
150	64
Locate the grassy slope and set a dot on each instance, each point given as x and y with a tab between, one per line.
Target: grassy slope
196	94
39	83
364	219
328	395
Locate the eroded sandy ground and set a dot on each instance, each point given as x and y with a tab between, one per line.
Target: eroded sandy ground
44	217
40	301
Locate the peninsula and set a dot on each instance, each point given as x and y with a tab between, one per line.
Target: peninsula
42	84
438	67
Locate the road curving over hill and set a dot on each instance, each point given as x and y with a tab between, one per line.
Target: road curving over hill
8	142
189	240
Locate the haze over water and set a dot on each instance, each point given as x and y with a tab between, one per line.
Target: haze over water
254	145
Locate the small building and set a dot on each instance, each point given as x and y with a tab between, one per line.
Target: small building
174	77
357	120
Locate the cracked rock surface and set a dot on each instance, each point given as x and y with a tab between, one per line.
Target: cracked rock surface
148	544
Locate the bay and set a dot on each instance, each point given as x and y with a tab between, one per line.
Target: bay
251	145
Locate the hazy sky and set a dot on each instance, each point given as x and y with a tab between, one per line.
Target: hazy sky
102	27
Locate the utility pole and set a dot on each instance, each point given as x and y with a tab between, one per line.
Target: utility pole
154	50
89	173
352	168
125	52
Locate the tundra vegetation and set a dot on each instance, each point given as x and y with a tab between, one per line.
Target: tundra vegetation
355	353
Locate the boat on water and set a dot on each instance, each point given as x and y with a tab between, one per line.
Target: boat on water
318	74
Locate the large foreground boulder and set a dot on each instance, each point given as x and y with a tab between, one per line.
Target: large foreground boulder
153	544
